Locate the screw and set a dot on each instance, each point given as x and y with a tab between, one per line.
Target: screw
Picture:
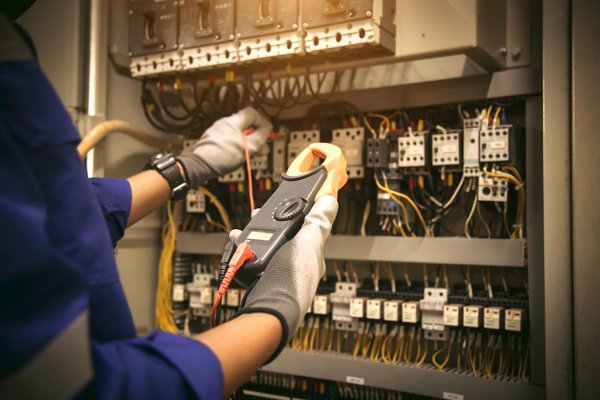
305	24
231	37
369	13
279	26
294	26
239	35
130	12
503	51
217	37
516	53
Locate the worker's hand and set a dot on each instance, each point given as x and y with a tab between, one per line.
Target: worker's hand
220	150
289	283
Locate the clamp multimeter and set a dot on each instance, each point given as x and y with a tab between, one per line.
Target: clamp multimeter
283	214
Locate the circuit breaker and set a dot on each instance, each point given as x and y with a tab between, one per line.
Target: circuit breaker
351	141
446	149
341	306
201	294
206	33
364	25
153	37
195	201
267	28
432	313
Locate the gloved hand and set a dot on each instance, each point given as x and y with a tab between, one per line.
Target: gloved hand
289	283
220	150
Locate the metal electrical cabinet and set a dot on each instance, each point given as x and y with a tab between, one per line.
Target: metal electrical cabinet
403	55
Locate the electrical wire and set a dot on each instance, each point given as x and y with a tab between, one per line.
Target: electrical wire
164	301
248	169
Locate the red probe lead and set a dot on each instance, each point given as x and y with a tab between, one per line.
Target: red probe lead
243	253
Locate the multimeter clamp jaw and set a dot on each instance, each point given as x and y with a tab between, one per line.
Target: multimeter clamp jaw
279	220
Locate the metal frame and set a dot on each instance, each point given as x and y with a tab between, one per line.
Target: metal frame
460	251
426	381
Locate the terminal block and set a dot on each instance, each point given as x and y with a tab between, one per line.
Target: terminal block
341	308
378	153
351	141
432	313
239	175
446	149
471	128
413	150
195	202
492	189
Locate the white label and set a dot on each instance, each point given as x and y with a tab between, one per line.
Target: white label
453	396
351	152
498	145
355	380
449	149
415	150
178	292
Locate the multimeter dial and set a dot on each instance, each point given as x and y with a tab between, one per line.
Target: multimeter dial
289	209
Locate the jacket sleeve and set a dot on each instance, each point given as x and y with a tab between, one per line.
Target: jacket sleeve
114	197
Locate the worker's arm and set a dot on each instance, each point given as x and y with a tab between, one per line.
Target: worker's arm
219	151
242	345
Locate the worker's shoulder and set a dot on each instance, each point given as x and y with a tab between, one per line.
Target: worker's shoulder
13	43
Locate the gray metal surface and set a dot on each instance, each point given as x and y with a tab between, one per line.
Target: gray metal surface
586	196
513	82
557	199
507	253
535	232
422	381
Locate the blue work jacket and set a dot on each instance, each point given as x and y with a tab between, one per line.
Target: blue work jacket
57	261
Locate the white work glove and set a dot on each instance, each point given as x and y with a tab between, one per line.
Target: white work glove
220	150
289	283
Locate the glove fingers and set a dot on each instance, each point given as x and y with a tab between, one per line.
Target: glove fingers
234	234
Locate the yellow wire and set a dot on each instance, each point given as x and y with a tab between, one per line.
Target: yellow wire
408	199
220	207
164	305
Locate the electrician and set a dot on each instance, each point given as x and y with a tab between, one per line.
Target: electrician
65	326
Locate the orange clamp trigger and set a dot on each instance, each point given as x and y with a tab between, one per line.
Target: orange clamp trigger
334	163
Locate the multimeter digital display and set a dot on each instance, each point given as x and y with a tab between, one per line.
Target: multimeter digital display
278	220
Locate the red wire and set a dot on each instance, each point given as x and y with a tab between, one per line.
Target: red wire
248	169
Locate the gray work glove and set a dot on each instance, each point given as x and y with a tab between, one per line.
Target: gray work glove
220	150
289	283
